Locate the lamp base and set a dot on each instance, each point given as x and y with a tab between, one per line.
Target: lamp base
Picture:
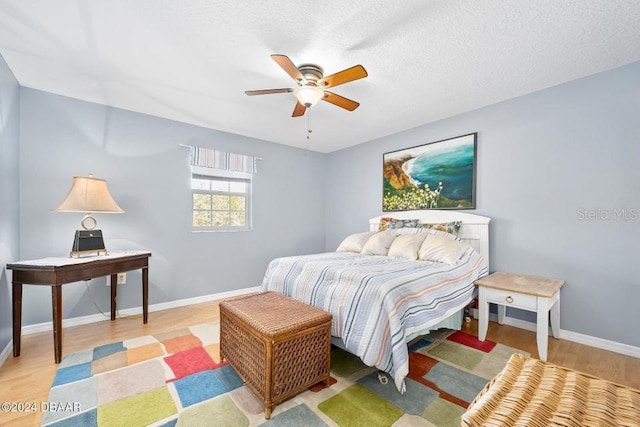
88	243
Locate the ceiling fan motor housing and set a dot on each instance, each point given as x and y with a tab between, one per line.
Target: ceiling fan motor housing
311	72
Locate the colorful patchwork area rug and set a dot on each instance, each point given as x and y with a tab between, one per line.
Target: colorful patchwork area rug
177	379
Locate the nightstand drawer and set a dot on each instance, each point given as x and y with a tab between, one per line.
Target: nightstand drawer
512	299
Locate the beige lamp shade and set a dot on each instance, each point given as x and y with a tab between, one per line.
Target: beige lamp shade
88	194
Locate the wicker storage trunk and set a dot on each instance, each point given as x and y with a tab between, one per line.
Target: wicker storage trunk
278	346
529	392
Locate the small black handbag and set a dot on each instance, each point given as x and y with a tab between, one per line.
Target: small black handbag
88	242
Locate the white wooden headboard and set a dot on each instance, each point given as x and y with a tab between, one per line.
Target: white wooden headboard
474	229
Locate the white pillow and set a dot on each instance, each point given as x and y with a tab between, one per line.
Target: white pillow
440	249
407	245
379	243
354	242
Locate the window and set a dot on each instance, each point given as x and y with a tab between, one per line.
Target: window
221	199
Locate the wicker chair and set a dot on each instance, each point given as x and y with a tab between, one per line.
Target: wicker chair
529	392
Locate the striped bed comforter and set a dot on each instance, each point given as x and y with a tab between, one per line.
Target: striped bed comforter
377	301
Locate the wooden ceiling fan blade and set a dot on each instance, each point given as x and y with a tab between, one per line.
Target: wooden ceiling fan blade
345	76
288	66
298	110
267	91
340	101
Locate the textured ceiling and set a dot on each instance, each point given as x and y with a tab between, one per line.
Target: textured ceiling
191	61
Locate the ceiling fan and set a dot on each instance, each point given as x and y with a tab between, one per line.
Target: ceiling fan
312	85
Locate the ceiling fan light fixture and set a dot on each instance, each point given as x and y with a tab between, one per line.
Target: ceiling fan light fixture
308	95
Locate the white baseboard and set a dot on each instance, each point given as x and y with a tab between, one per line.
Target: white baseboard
616	347
92	318
6	352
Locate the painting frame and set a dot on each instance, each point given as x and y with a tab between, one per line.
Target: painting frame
437	175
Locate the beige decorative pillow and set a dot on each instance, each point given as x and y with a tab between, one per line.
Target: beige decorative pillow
441	249
355	242
379	243
407	245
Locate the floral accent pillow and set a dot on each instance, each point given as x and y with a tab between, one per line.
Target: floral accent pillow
424	230
447	227
394	224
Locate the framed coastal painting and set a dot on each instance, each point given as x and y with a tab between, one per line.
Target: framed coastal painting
437	175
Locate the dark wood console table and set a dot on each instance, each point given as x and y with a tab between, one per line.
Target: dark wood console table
56	272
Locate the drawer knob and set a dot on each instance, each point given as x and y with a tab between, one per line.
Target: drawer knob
509	299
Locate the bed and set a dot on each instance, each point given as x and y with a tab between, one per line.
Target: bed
379	303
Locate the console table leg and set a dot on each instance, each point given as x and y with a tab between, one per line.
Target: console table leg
56	303
145	294
17	317
114	295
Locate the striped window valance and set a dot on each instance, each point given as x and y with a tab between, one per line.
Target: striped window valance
209	158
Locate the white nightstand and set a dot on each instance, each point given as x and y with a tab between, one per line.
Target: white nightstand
527	293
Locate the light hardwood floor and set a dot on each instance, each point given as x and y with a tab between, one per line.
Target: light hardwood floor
28	378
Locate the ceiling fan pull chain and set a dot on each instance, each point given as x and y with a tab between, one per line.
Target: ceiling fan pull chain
309	125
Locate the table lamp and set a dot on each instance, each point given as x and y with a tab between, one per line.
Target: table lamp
89	195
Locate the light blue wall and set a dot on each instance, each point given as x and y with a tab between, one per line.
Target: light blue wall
541	158
148	175
9	191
